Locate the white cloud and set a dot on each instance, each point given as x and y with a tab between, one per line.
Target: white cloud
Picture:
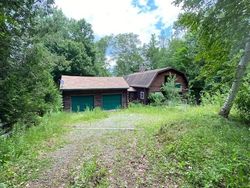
119	16
167	11
111	62
143	2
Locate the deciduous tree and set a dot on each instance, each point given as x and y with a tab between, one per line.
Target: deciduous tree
126	51
223	29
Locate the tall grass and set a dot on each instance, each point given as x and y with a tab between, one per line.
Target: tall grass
91	174
189	146
18	152
193	146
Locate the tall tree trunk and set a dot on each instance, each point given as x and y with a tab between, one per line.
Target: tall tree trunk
241	69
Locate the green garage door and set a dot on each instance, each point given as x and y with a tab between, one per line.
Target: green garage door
110	102
80	103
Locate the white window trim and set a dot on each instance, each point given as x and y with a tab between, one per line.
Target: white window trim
142	95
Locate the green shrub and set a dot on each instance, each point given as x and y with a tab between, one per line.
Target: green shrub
243	100
25	101
170	92
217	98
189	98
156	99
135	104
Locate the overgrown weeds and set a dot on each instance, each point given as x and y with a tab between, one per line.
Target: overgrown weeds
91	175
209	155
194	147
185	146
20	150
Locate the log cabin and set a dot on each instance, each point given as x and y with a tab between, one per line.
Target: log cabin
141	84
108	93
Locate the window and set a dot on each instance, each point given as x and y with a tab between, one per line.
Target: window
178	86
141	95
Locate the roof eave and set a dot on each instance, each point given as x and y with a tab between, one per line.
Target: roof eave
147	86
74	89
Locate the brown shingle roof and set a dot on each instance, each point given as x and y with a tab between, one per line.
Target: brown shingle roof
88	83
144	79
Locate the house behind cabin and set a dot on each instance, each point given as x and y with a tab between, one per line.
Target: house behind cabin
143	83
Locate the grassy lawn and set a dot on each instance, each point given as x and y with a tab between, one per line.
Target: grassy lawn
194	147
18	153
184	146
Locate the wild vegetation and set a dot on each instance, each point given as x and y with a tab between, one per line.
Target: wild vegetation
181	144
38	45
193	147
188	146
19	152
169	94
42	38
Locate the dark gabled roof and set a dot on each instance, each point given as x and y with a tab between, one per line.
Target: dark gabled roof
88	83
144	79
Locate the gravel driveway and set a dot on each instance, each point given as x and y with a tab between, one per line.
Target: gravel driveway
112	139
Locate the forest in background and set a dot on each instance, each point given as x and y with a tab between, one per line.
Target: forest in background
39	43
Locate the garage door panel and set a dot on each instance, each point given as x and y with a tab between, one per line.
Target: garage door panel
113	101
81	103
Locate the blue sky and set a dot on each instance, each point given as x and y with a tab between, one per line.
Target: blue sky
142	17
147	6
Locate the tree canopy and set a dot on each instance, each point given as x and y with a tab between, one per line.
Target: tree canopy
222	28
38	44
71	43
126	52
